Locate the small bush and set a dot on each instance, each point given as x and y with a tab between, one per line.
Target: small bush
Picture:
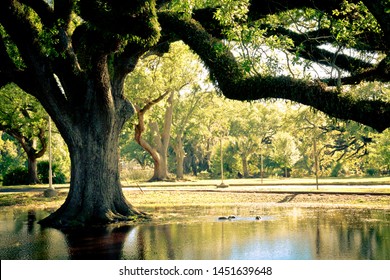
137	175
43	173
372	172
17	176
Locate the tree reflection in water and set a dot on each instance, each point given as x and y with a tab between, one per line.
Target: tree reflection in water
97	243
282	233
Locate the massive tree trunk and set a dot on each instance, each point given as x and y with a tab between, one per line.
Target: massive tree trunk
77	74
95	195
91	131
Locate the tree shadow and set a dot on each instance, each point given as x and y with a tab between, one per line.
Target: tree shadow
288	198
97	243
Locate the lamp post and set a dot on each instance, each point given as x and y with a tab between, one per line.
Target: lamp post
261	164
50	159
315	158
266	140
222	185
50	192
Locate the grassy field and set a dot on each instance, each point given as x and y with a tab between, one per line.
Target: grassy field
350	192
267	182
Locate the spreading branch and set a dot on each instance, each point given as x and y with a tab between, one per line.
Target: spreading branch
235	84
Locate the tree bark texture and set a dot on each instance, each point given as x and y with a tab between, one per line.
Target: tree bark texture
32	170
95	195
180	155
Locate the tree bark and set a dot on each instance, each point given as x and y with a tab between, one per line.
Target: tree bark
91	130
180	154
162	143
95	195
244	160
235	84
159	151
32	170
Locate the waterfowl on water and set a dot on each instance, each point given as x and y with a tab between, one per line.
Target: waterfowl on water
226	218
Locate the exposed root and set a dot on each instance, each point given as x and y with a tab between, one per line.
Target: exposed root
61	220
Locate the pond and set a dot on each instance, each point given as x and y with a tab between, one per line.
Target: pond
198	233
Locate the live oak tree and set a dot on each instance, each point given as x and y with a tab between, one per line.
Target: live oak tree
74	55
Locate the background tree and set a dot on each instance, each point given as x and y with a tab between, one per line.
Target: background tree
379	156
160	78
23	118
252	125
284	152
131	150
186	115
11	156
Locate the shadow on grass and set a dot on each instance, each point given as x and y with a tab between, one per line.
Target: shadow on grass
288	198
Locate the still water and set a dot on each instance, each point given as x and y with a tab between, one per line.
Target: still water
282	233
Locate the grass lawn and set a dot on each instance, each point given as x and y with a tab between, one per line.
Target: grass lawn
356	192
270	182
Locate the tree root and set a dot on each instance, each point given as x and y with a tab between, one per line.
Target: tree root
61	219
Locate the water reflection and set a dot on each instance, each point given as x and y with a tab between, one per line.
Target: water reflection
196	233
97	242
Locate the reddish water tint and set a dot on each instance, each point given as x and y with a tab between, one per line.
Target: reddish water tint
198	233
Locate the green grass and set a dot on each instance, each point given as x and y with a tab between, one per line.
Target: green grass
269	182
31	199
25	195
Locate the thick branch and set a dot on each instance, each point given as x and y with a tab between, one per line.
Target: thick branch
6	62
139	129
308	43
234	83
24	34
42	139
379	73
311	50
380	10
44	11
